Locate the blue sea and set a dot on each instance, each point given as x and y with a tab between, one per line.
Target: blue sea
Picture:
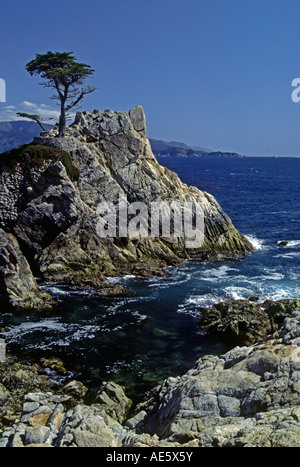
141	340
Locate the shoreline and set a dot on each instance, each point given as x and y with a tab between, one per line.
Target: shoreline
123	292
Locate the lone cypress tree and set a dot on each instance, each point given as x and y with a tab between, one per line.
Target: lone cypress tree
62	72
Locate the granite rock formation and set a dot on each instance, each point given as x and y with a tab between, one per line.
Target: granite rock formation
18	287
241	322
54	215
248	397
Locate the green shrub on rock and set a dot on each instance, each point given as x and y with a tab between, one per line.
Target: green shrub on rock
30	156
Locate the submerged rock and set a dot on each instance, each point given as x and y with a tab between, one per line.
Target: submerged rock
283	243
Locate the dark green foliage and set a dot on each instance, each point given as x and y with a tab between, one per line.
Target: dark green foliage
34	155
62	68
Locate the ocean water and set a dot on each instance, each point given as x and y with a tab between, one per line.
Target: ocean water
141	340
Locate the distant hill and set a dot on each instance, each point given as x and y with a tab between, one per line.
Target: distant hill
14	134
173	148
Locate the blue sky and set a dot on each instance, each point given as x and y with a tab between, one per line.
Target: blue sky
211	73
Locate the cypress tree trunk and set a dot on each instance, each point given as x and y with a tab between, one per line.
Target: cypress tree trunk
62	121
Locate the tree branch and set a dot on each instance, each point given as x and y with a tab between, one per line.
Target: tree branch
82	94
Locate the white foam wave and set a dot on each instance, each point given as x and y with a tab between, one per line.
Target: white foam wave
28	327
177	277
53	333
280	294
294	243
139	316
57	291
274	277
288	255
192	304
294	276
256	242
217	274
115	280
272	274
237	293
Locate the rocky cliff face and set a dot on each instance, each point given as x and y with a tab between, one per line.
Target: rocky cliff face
54	216
18	288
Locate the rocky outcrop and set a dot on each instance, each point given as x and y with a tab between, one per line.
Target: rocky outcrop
56	206
238	399
20	172
38	412
113	400
45	422
248	397
16	380
18	287
50	201
241	322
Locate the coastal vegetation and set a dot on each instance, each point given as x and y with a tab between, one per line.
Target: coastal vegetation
30	156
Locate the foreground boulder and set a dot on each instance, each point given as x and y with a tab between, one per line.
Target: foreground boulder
113	400
47	419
